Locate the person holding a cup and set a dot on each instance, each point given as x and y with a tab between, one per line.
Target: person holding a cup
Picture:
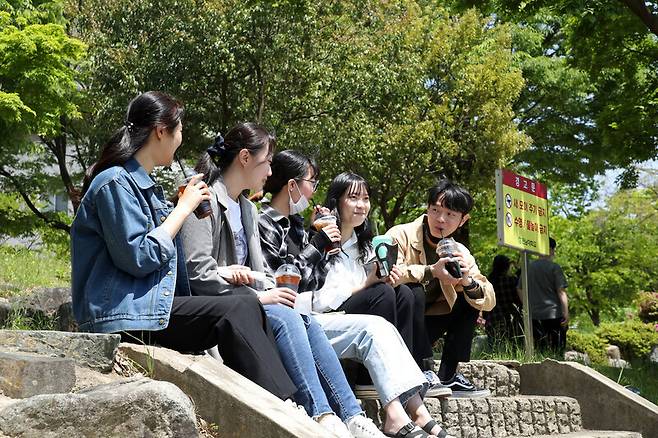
366	339
445	278
128	267
224	258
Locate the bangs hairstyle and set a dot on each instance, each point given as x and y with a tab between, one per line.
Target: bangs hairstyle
350	183
287	165
450	196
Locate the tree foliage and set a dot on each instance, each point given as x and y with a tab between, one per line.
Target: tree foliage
37	91
400	93
609	255
592	74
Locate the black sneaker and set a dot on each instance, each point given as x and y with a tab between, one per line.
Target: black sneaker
462	387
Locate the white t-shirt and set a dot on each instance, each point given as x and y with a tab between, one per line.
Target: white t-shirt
239	237
345	273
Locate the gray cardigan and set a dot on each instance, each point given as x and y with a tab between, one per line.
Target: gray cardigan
208	243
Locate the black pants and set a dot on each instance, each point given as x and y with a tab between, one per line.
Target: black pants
456	327
549	334
239	328
397	306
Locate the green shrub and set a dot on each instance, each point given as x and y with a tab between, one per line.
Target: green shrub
634	338
589	343
648	306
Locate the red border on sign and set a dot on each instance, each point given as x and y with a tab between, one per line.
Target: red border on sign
524	184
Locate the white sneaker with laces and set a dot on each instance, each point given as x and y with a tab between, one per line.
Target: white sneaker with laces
363	427
436	389
333	424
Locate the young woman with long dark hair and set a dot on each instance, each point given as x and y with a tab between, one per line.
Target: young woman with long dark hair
128	266
224	257
352	284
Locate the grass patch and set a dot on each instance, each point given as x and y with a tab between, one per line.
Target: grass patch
23	269
510	350
22	319
643	375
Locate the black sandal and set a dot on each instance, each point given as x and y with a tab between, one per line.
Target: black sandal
409	430
431	425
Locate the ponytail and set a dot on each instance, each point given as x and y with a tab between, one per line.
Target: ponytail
144	113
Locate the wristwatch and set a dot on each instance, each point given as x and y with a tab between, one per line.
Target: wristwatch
473	290
472	285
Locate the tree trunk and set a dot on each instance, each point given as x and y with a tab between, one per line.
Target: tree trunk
54	223
593	309
640	9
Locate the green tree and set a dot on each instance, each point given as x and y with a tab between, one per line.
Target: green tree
38	92
609	254
590	103
400	93
436	101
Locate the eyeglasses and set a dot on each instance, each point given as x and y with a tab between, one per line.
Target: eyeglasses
313	182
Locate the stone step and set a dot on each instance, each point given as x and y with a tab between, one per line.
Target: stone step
501	378
595	434
23	375
507	416
499	416
93	350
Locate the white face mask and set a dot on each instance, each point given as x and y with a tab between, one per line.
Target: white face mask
299	206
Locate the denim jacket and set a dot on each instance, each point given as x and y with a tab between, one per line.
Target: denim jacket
125	267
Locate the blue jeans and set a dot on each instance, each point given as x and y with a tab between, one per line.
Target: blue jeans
374	342
311	363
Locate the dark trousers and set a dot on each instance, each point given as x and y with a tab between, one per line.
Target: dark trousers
549	334
237	325
397	306
456	327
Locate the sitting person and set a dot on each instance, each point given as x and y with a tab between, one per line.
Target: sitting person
453	304
224	258
368	339
351	284
128	270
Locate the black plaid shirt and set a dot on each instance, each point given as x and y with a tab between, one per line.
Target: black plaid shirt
507	300
284	240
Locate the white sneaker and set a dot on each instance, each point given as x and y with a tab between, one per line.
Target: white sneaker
363	427
436	389
295	407
333	424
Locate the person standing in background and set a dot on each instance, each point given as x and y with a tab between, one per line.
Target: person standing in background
549	304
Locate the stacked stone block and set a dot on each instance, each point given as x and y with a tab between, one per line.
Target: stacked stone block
498	378
504	414
507	416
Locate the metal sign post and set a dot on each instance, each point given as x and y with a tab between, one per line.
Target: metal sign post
527	318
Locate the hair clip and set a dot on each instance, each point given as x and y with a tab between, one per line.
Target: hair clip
218	148
130	126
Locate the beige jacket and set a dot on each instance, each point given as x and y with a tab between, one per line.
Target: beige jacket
412	262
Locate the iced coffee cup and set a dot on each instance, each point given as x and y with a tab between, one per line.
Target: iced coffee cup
320	223
447	247
203	210
288	276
